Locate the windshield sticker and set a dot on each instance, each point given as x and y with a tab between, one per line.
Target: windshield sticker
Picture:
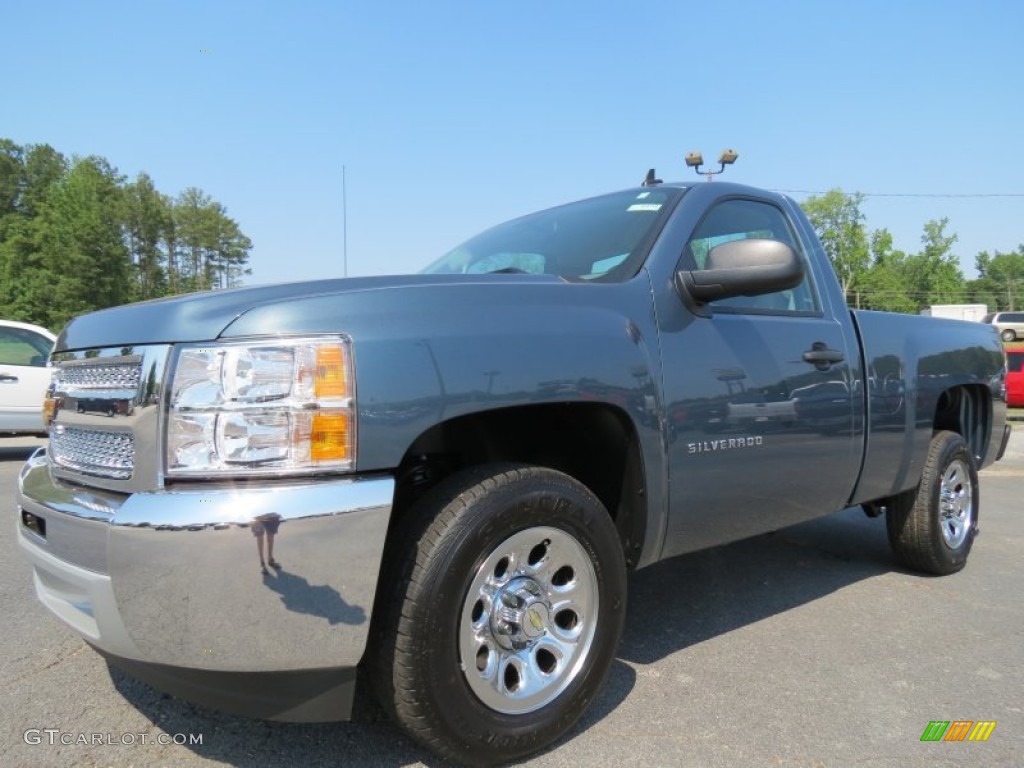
642	195
644	207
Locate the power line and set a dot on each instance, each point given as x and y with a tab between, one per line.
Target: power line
909	194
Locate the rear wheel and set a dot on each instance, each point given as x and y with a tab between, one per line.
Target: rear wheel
932	529
1008	335
505	613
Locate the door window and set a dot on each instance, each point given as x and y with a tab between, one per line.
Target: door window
20	346
743	220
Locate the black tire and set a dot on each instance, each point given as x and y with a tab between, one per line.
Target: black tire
932	529
430	670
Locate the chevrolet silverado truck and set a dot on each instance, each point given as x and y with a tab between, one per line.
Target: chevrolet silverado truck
443	479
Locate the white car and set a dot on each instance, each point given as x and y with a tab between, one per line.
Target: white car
24	376
1009	324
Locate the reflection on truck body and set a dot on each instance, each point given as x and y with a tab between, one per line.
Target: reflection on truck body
121	407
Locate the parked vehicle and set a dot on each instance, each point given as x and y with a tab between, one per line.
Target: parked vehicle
1015	378
462	465
24	377
1009	324
957	311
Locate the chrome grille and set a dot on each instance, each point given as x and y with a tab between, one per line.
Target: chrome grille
91	376
106	416
93	452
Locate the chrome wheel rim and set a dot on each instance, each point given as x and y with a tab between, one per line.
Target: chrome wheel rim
528	620
956	503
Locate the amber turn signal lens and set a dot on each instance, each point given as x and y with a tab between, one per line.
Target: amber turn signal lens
329	438
331	377
49	410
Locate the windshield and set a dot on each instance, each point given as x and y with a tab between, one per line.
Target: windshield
600	238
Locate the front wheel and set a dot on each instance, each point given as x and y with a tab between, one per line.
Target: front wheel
932	529
1008	335
505	613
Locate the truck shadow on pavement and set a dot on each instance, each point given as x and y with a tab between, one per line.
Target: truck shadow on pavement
673	605
370	739
702	595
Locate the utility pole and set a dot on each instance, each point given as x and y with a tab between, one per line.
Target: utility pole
344	225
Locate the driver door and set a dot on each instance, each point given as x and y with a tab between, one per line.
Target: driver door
758	437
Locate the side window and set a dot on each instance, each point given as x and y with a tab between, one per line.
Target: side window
19	346
743	220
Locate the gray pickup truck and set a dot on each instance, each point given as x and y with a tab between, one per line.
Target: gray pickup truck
443	479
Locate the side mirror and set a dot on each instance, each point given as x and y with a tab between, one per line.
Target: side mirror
742	268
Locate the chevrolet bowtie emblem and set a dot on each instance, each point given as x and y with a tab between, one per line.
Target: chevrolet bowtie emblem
535	619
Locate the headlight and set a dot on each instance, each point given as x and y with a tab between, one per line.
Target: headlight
262	407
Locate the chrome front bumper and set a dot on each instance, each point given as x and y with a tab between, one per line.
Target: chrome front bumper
173	577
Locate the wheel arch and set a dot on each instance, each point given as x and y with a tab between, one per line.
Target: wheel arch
595	443
894	461
967	410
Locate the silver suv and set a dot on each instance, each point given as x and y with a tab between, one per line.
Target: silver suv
1009	324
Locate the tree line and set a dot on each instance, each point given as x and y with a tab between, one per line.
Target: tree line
876	275
76	236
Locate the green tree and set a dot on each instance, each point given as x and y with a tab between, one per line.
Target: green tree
11	170
82	262
883	286
933	274
213	250
44	169
839	223
1001	279
232	253
28	176
196	224
172	251
75	237
147	216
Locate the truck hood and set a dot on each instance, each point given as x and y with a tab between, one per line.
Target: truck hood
204	316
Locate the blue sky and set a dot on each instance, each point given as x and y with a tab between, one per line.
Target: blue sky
450	117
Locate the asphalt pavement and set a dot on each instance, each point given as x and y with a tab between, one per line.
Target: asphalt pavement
804	648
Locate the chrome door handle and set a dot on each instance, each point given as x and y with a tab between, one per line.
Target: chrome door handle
822	357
